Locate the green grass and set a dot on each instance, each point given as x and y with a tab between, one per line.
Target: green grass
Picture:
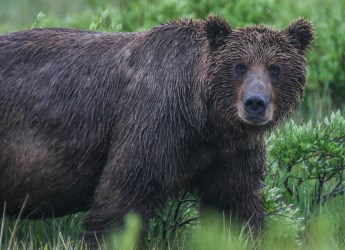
61	233
323	230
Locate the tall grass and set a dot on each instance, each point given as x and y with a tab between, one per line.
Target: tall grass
322	231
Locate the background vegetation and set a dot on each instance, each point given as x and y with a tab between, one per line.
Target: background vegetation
304	196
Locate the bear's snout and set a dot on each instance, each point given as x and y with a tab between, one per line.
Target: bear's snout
255	96
255	105
256	109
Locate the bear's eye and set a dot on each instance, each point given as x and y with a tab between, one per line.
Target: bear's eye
274	70
241	68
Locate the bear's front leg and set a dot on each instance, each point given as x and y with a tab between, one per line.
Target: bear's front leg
232	184
240	207
125	187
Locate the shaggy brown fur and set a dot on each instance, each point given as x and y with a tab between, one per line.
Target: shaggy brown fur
117	122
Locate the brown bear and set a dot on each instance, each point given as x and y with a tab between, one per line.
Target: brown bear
112	123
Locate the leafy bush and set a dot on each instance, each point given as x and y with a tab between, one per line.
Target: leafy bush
309	161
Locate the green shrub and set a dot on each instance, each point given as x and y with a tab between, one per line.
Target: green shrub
309	160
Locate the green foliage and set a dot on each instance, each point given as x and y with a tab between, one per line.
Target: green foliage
218	234
128	239
39	18
107	22
61	233
325	229
309	160
175	222
307	163
284	220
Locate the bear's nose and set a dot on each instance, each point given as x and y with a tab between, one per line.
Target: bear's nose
255	105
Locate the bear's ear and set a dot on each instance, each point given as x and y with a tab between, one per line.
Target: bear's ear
301	33
216	30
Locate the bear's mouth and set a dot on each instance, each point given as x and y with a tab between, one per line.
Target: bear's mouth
256	120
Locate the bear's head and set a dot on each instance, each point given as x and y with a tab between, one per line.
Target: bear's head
257	74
